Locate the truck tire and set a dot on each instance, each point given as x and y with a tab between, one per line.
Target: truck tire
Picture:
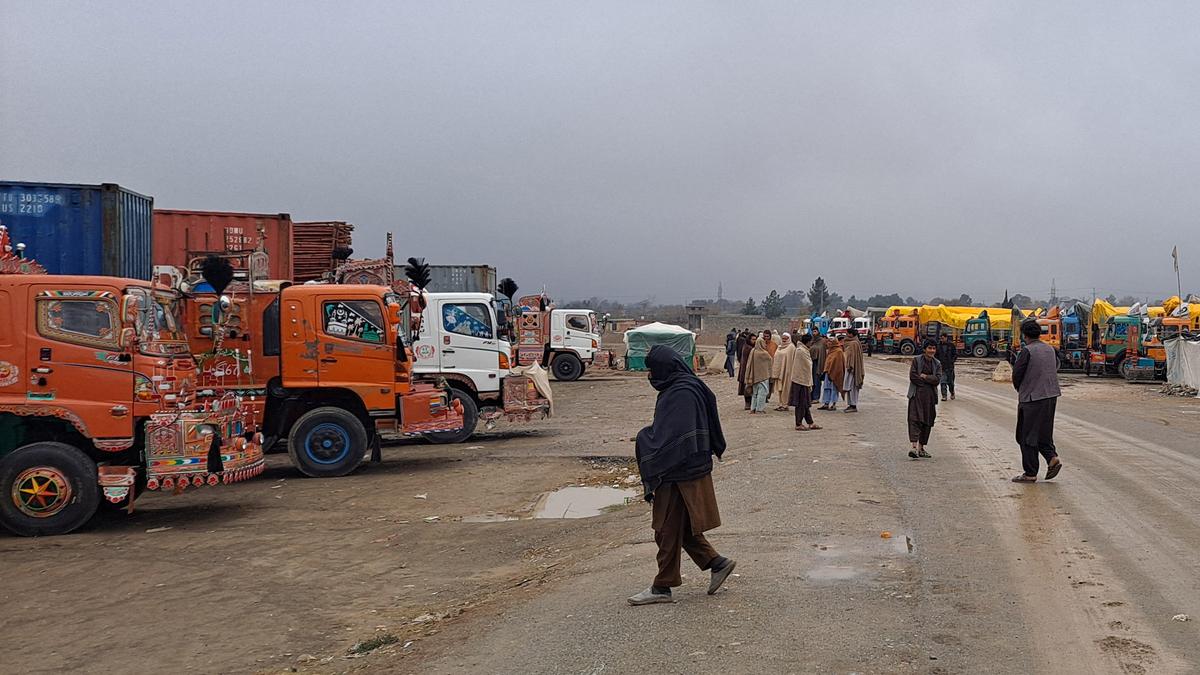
47	489
470	419
980	350
1124	366
327	442
907	348
566	367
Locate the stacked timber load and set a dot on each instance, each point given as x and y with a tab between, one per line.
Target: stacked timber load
313	247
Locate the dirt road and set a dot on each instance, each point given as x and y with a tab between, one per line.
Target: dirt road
979	575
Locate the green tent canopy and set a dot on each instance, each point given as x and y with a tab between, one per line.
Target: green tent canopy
638	342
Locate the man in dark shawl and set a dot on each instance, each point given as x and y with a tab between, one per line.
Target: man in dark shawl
731	341
923	379
947	354
1035	377
674	456
818	351
745	389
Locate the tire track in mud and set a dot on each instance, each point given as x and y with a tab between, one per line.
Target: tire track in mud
1082	613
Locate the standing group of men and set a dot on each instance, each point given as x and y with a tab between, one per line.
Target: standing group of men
796	372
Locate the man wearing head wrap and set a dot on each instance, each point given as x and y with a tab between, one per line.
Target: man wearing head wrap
746	344
674	456
781	373
758	376
855	370
923	378
731	341
835	374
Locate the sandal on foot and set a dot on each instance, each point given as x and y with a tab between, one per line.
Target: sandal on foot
913	454
1022	478
923	454
814	427
1053	469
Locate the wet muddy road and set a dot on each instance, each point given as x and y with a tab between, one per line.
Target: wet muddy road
438	557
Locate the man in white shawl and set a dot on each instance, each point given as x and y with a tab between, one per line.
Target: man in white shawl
781	372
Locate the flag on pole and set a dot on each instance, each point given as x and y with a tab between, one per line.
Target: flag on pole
1175	255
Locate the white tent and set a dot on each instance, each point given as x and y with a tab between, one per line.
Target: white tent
1183	362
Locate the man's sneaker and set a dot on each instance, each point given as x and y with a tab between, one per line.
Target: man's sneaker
649	597
719	576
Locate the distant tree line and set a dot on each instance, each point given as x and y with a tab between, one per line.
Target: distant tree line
817	299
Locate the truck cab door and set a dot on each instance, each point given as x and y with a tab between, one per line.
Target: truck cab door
353	351
76	360
468	342
577	334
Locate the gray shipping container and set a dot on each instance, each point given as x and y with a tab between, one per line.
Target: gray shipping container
459	278
80	229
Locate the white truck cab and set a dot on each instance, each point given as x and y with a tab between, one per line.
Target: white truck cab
461	340
574	341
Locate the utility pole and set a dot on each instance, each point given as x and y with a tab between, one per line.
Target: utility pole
1053	292
1178	283
720	292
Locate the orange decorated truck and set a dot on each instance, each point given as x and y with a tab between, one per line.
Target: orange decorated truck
97	400
328	365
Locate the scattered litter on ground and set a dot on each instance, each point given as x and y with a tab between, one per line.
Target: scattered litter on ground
1178	390
1181	617
885	535
424	496
432	519
157	529
368	646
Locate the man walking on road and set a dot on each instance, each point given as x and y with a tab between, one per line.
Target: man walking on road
1035	377
947	354
731	343
923	379
674	456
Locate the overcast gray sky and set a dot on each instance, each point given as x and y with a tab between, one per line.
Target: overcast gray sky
634	149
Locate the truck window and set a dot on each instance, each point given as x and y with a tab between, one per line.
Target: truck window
270	329
471	319
354	319
578	322
87	322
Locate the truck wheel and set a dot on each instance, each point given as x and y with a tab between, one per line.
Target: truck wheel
327	442
980	350
908	349
470	419
567	367
1124	366
47	489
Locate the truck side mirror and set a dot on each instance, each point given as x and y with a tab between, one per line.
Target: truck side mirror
129	309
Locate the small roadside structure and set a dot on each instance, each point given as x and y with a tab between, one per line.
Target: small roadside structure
638	342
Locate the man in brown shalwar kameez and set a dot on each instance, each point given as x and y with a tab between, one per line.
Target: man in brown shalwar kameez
923	379
674	456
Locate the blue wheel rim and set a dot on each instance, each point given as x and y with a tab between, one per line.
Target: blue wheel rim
327	443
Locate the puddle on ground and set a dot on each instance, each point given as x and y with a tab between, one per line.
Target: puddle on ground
831	554
833	573
582	502
568	502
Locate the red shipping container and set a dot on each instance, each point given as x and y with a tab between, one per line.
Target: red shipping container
181	235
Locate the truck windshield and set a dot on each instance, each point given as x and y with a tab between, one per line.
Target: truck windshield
159	322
